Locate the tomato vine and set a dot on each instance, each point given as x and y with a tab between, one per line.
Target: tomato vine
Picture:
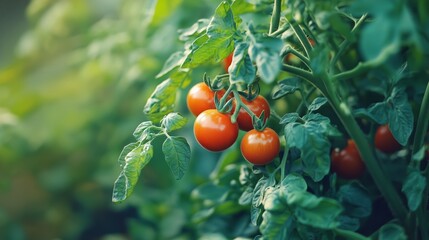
294	194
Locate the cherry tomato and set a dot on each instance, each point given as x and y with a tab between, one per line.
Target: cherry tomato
384	140
227	62
200	98
347	163
214	130
260	147
258	105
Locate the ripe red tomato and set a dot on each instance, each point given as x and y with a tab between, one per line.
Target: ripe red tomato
258	105
384	140
200	98
214	130
260	147
347	163
227	62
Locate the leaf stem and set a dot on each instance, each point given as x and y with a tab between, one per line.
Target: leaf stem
283	163
347	234
420	131
275	18
365	66
346	43
301	37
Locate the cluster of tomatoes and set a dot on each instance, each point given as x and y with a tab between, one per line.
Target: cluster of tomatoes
215	131
348	164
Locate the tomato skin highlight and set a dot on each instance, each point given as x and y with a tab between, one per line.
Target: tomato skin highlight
258	105
227	62
214	131
347	163
200	98
260	147
384	140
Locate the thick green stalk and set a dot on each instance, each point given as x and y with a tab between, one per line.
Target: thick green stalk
275	18
421	129
384	185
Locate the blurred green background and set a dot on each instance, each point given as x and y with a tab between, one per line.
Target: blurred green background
74	78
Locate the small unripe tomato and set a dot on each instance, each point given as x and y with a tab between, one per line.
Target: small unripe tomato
260	147
384	140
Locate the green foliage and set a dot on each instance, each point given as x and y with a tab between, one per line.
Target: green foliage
335	70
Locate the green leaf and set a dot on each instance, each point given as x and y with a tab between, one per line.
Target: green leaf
317	103
315	156
392	232
162	100
379	112
241	68
177	155
173	121
127	149
134	162
175	60
222	24
259	190
401	116
285	87
195	30
212	192
275	201
294	183
141	128
265	53
289	118
246	197
355	200
319	212
311	138
217	43
242	6
296	135
276	226
413	187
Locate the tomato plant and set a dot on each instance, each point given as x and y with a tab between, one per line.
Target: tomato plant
359	66
347	163
384	140
260	147
214	130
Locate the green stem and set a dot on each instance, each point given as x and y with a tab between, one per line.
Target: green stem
349	234
422	122
275	18
301	37
346	43
422	8
306	75
365	66
293	51
420	131
384	185
283	163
